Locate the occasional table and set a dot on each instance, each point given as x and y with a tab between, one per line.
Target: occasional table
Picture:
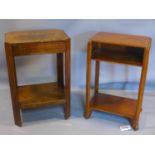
123	49
24	43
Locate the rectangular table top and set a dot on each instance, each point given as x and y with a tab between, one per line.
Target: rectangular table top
122	39
36	36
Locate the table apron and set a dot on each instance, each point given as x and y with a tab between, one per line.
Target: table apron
38	48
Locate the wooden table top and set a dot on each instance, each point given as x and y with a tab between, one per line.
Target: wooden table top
122	39
35	36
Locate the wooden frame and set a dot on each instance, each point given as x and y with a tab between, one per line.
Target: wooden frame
39	95
123	49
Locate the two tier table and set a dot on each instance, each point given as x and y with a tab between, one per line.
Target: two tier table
122	49
26	43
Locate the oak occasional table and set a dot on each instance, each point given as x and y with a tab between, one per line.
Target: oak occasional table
122	49
38	95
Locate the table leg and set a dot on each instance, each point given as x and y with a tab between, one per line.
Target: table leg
135	121
97	72
88	78
67	79
13	84
60	74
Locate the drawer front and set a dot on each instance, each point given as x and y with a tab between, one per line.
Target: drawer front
38	48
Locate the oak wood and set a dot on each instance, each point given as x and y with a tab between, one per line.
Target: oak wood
60	73
88	78
118	54
141	88
114	104
67	80
38	48
13	83
39	95
97	73
35	36
123	49
122	39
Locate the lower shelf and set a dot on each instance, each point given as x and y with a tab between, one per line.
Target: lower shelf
38	95
114	104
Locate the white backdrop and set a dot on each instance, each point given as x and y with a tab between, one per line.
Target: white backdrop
43	68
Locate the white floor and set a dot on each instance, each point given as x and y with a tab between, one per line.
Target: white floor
51	121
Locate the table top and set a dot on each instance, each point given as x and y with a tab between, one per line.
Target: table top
122	39
35	36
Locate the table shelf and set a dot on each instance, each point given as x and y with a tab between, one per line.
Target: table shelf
114	104
118	54
38	95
